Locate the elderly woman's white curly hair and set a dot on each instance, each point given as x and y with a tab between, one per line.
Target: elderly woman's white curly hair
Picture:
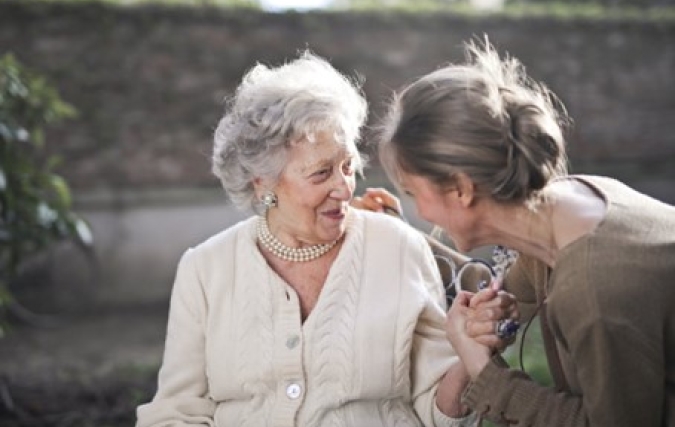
274	108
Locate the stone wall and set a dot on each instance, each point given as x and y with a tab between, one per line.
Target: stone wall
149	84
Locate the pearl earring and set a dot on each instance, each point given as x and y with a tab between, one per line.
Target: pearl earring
269	200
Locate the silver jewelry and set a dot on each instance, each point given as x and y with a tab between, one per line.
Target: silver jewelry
506	328
269	200
278	249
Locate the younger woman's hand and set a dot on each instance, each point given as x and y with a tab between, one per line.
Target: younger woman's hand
489	307
378	200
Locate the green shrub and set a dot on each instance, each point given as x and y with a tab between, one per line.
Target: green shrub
35	202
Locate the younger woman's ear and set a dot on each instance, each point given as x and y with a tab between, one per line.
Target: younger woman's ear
465	189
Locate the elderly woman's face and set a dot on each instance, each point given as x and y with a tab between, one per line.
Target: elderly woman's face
314	192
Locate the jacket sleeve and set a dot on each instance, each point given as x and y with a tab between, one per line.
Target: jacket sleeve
432	353
618	363
182	395
509	396
621	381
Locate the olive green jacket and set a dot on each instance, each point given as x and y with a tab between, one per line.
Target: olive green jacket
610	307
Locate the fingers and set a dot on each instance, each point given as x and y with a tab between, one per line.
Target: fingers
497	300
455	320
489	314
484	332
477	317
378	200
367	203
486	309
462	299
484	297
477	328
383	197
357	202
473	354
495	343
494	313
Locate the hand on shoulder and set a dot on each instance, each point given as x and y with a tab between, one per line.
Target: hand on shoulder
378	200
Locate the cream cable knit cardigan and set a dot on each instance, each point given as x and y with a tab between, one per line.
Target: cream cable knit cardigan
370	354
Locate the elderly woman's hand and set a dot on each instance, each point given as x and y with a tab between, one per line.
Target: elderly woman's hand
488	308
473	354
378	200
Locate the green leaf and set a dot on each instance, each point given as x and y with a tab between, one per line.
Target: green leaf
62	191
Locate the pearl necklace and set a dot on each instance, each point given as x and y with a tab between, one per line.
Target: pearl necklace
278	249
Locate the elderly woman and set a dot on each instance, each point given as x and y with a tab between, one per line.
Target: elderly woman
479	146
311	313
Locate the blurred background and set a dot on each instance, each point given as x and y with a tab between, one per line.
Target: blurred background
129	93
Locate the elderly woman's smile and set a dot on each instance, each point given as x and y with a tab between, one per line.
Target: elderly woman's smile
314	191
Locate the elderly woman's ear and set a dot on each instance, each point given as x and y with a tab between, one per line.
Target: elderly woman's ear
258	187
262	186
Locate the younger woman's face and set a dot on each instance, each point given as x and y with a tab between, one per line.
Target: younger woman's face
441	207
314	192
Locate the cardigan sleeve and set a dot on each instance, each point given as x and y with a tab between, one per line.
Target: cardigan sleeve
182	394
431	352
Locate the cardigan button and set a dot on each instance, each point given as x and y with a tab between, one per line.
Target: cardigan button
292	341
293	391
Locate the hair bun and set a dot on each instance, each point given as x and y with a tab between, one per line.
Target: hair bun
534	144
